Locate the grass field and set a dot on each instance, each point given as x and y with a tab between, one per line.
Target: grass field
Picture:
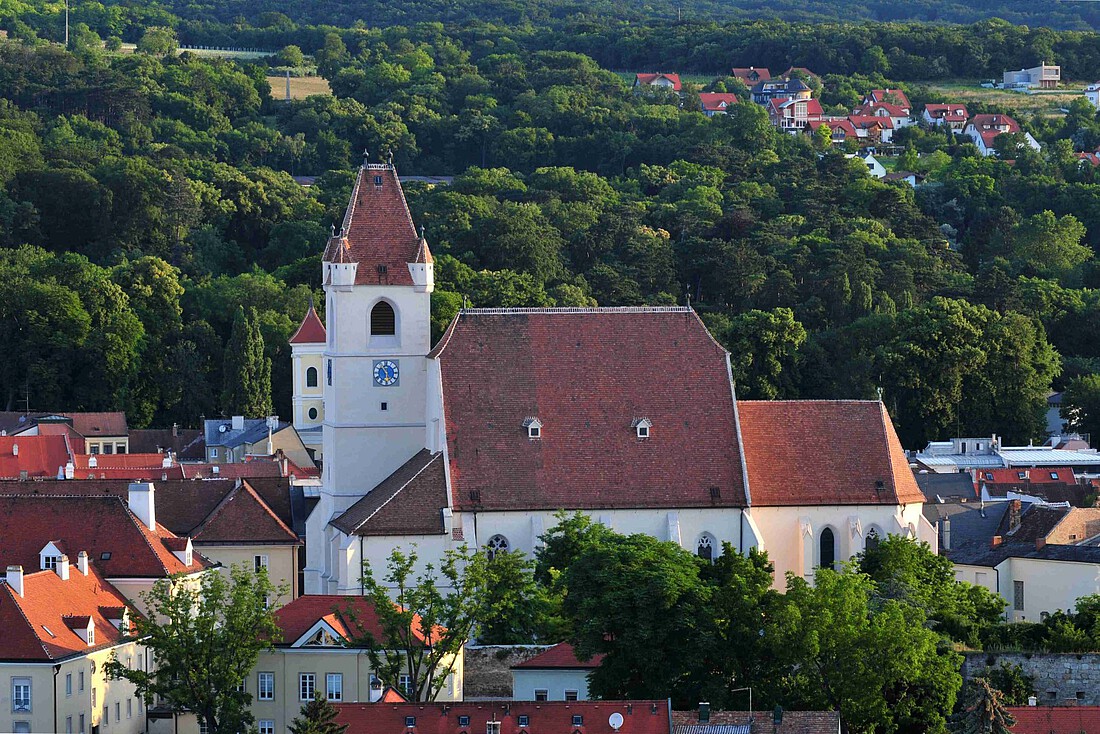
969	91
300	86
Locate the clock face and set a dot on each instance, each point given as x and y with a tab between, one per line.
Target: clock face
386	373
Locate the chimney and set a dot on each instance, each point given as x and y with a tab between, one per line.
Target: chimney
15	579
82	562
1032	701
996	541
63	568
142	504
1039	543
238	423
704	712
1014	508
946	525
15	449
70	470
175	430
166	462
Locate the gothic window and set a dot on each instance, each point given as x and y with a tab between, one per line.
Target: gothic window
827	556
872	539
383	321
705	548
496	544
311	377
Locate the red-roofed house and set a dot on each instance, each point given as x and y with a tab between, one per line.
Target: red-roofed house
1092	159
1055	719
898	116
984	129
33	457
627	414
665	82
317	657
555	674
954	116
793	115
751	75
307	348
888	96
872	130
716	103
840	128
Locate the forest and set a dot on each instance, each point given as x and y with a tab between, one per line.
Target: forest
146	196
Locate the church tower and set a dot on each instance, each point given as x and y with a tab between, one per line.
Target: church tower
307	348
378	279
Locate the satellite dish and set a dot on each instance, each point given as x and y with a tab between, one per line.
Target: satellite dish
615	720
223	428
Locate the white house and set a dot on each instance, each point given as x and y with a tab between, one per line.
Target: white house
553	675
874	168
1092	94
626	414
984	129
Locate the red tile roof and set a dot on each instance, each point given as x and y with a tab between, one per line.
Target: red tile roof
91	425
311	330
243	517
747	74
40	624
862	122
392	695
560	656
990	126
588	375
1055	475
779	105
948	112
885	95
824	452
378	231
350	616
834	126
39	456
118	461
717	101
1091	158
1055	719
787	74
891	110
649	79
554	717
101	525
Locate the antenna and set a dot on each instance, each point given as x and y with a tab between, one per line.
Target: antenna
615	721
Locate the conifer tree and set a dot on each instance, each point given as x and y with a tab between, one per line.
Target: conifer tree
247	387
984	711
317	717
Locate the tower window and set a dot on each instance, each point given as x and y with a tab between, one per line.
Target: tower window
311	377
383	321
313	414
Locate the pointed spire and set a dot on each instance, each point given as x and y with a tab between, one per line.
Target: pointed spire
311	330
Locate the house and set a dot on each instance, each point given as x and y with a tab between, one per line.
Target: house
318	656
898	116
1055	719
306	347
751	75
556	674
508	717
89	433
666	82
705	721
874	168
716	103
793	115
984	129
185	444
765	91
872	130
790	73
953	116
888	96
1044	76
234	440
987	453
1092	94
516	414
34	457
839	127
906	177
61	625
1091	159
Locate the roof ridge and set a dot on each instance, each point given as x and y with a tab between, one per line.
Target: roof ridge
576	309
396	492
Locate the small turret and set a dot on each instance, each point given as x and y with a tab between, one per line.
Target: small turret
422	268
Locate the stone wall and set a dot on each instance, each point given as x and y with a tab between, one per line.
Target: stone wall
1060	678
488	669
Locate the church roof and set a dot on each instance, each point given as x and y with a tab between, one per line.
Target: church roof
409	501
588	376
379	230
824	452
311	330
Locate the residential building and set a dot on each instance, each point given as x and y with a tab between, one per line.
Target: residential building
89	433
906	177
307	346
898	116
888	96
959	454
765	91
984	129
516	414
665	82
839	127
751	75
556	674
716	103
1055	719
234	440
872	130
318	656
33	457
509	717
802	70
793	115
1091	159
1043	76
1092	94
705	721
874	168
953	116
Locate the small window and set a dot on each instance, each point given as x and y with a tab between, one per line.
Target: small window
260	563
410	721
492	727
1052	694
989	476
265	686
311	377
68	725
307	686
541	694
21	695
68	684
1018	596
827	549
82	724
383	320
378	181
385	406
1054	475
578	720
49	563
533	426
1080	695
570	695
642	426
496	544
463	720
213	453
1021	475
118	711
267	726
334	686
872	540
404	682
80	678
129	708
312	414
704	547
328	371
524	720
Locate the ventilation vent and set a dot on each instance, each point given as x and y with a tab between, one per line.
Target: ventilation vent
716	493
475	495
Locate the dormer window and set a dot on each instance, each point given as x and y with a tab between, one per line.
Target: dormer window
378	182
1054	475
642	426
533	426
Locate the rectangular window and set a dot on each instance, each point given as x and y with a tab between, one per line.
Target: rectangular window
93	698
410	721
120	448
68	684
260	562
108	448
213	453
524	720
81	676
1054	475
129	708
334	686
106	715
404	682
492	727
578	720
570	695
204	728
49	563
118	711
463	720
541	694
93	448
265	686
68	725
21	727
328	371
82	724
307	683
20	695
1018	595
267	726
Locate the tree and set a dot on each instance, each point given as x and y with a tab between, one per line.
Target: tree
247	389
518	611
984	711
1081	405
158	41
1015	685
823	138
290	56
205	637
423	628
763	349
317	717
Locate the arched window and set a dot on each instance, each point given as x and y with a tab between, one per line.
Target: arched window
496	544
706	547
873	539
827	557
311	377
383	321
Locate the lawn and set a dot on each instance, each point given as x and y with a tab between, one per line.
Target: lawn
969	91
300	86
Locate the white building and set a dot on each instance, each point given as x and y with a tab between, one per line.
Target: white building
1043	76
553	675
626	414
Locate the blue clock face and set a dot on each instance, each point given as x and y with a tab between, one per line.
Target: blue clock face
386	373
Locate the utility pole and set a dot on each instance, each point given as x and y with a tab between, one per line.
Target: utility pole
66	25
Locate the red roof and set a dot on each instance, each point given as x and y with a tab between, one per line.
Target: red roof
39	456
779	105
717	101
560	656
118	544
1057	475
91	425
990	126
588	376
311	330
752	74
948	112
392	695
886	95
243	470
41	624
650	79
834	125
639	717
891	110
1055	719
118	461
824	452
1092	158
794	722
378	231
349	616
243	517
865	121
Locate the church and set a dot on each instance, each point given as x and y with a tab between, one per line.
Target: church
628	414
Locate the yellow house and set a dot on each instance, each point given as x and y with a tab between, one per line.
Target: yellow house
316	658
